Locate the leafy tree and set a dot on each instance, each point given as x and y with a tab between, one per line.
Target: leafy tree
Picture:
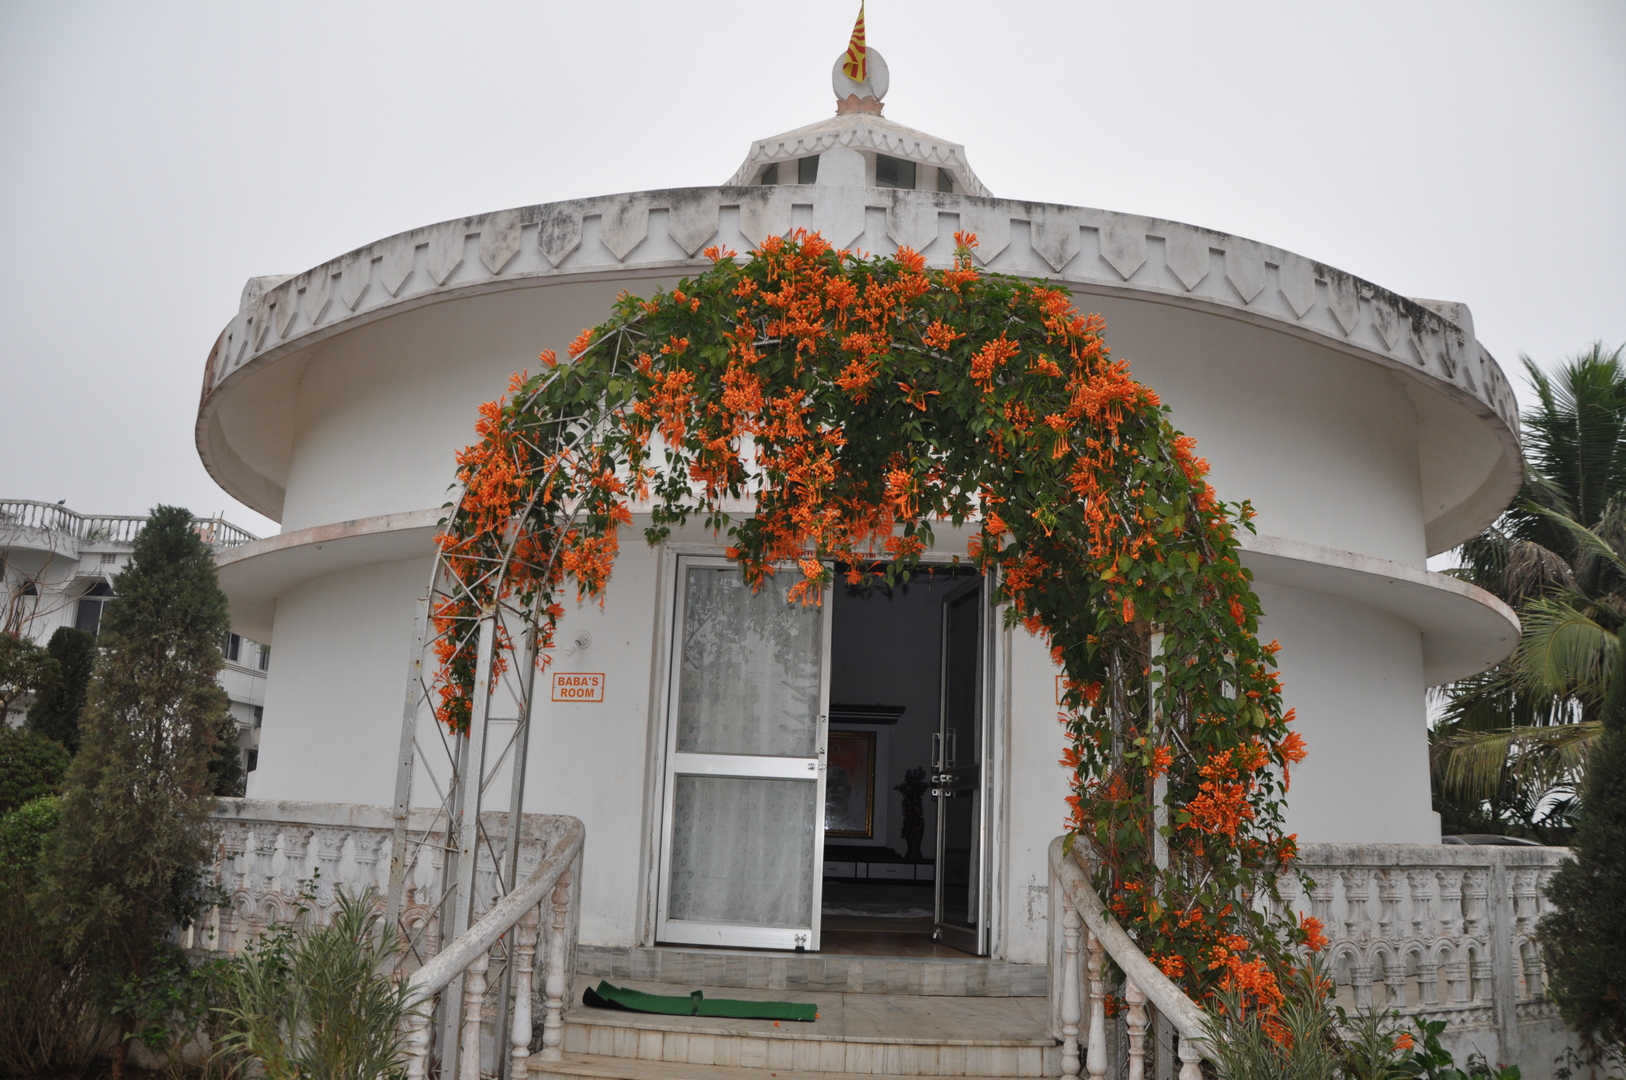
1586	952
226	776
44	1007
1584	652
31	766
125	866
1510	748
24	666
61	697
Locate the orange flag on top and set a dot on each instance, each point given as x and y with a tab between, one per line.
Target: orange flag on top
856	66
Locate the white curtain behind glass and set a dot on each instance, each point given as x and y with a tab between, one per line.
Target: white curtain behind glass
749	680
742	851
748	684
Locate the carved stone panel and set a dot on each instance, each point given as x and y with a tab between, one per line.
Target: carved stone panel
445	252
1186	252
559	231
396	265
624	225
1295	277
1245	269
691	220
354	273
1123	245
499	240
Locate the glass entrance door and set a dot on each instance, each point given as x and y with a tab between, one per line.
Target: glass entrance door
743	839
957	780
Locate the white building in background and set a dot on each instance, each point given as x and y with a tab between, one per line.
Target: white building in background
59	571
1370	430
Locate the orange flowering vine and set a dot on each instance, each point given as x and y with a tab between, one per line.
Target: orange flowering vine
857	404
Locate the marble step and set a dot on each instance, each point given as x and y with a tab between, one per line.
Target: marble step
864	1035
598	1067
759	970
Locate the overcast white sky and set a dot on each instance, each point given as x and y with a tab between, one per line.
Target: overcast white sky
158	154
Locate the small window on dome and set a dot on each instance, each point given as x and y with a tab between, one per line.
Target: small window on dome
807	170
945	181
770	175
891	172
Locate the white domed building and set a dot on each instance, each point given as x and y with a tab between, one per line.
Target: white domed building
1370	430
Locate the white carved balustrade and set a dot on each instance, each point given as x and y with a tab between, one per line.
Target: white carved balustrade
1432	931
278	861
1451	938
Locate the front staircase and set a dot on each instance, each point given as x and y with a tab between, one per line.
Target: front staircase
878	1016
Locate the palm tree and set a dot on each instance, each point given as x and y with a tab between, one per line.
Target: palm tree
1512	741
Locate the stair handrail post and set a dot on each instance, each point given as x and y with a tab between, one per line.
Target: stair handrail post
1075	892
1071	975
519	1036
469	952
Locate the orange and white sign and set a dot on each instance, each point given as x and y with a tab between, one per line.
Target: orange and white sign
578	686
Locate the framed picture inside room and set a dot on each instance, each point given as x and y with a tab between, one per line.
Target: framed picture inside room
849	786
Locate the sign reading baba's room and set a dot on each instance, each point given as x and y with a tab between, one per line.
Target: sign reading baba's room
578	686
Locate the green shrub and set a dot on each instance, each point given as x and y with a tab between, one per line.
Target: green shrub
61	695
31	765
1311	1038
1582	938
1299	1042
46	1022
313	1002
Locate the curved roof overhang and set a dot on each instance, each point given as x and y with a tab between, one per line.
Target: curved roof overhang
243	428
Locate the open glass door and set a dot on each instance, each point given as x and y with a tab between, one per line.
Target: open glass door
743	836
957	781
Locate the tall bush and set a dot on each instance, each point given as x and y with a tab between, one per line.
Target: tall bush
125	866
61	697
1582	938
44	1007
31	766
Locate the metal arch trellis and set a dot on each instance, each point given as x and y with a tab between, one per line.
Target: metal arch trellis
437	868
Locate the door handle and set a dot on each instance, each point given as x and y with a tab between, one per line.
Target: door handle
953	747
937	751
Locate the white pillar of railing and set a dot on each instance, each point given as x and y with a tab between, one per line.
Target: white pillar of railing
1190	1061
1070	976
1095	1062
474	999
1136	1023
417	1041
553	1004
525	932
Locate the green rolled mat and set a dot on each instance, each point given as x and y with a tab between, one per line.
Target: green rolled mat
696	1003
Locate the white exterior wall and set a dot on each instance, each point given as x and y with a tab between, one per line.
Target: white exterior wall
334	695
381	411
1325	445
1355	677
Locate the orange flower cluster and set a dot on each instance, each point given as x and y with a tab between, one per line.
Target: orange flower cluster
857	404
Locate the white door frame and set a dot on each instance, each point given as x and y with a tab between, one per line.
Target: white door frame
997	694
674	762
